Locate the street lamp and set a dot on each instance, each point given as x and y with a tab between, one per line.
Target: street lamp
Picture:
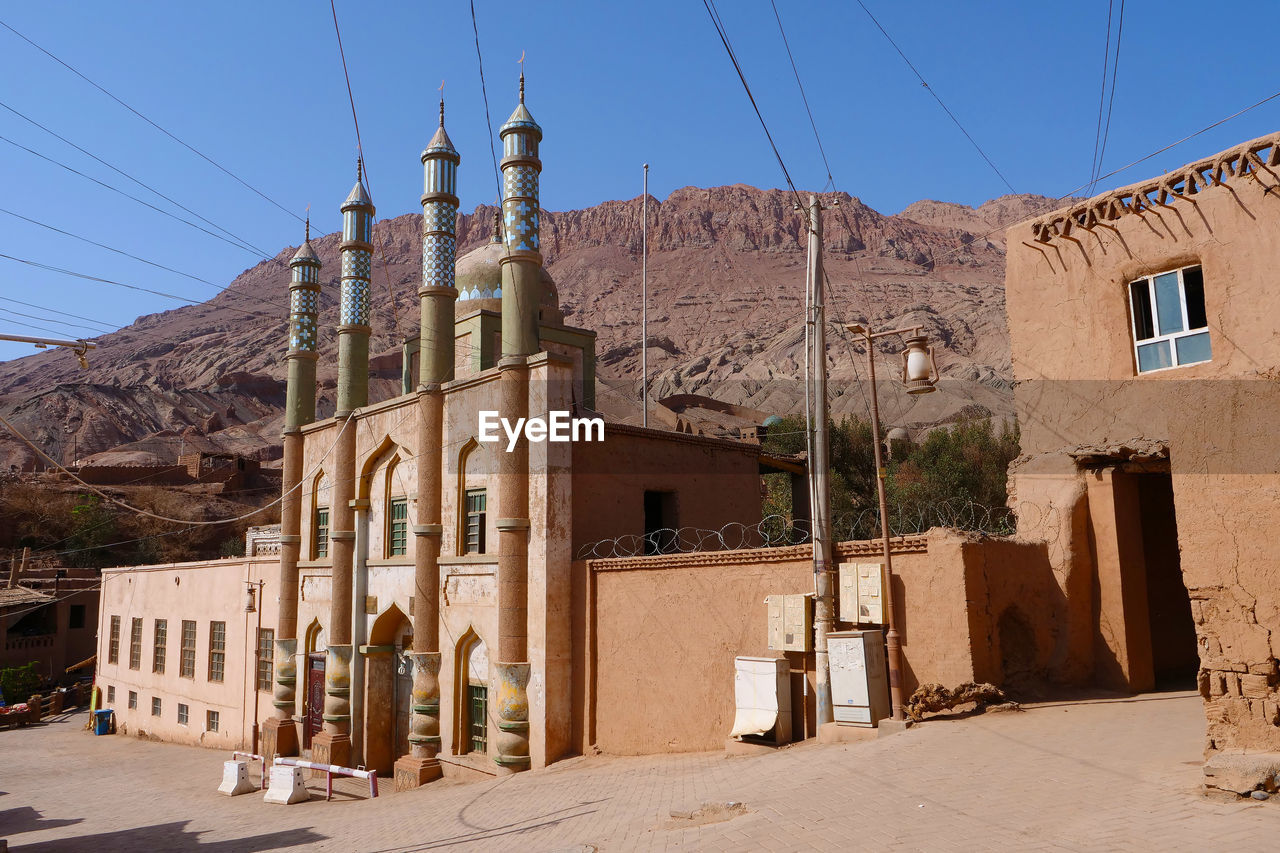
251	598
919	374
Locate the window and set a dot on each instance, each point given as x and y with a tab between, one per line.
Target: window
211	721
111	693
183	714
1170	327
160	652
155	706
398	532
217	650
77	616
188	664
477	716
321	544
135	644
476	514
133	700
266	657
113	650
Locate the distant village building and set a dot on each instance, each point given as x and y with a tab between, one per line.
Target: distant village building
1145	353
49	617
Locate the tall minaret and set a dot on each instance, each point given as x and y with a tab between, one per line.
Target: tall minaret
437	296
280	734
439	251
522	262
521	294
353	318
333	745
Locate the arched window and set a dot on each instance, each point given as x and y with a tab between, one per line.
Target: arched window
473	499
396	492
471	685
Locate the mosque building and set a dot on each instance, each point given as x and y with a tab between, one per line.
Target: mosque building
425	587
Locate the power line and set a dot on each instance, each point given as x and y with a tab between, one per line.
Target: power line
132	197
1111	99
830	180
195	151
245	243
44	329
1102	93
97	332
86	277
493	152
221	288
56	311
724	39
945	108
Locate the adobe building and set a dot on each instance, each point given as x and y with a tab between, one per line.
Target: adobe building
49	617
1145	354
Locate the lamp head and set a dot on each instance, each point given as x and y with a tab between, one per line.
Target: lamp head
919	370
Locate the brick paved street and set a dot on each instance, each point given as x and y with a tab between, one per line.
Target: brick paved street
1119	774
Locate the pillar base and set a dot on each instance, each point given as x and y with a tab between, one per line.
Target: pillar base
278	737
415	772
330	748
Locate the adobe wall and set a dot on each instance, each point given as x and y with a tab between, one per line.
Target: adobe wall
656	637
142	475
1082	405
206	591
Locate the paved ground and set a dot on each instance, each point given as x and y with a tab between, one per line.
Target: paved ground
1101	774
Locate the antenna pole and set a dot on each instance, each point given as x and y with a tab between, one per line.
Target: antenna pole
644	298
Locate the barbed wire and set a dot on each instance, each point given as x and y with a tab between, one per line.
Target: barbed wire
777	530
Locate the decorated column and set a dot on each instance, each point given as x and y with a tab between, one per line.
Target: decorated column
280	734
437	296
521	293
333	745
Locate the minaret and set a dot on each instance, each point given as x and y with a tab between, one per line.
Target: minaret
437	296
522	263
280	734
353	319
333	745
439	252
521	294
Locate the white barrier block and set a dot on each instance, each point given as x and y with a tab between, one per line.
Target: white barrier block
287	786
235	779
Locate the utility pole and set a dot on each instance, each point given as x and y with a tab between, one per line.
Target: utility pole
820	492
644	298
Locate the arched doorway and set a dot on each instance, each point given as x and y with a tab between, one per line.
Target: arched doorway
388	689
313	698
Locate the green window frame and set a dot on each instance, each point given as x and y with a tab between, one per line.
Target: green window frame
398	527
320	544
478	717
476	514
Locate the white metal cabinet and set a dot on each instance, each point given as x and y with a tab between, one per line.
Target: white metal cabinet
859	683
762	694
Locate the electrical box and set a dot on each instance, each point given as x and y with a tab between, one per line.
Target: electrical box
790	622
859	682
862	593
762	696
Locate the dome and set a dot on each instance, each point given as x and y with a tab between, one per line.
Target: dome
897	434
306	254
478	278
772	420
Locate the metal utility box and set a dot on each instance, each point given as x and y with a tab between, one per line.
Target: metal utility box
859	682
790	622
862	593
762	696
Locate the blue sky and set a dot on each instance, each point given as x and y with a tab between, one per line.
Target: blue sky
259	88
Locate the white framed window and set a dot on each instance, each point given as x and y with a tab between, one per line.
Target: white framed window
1170	327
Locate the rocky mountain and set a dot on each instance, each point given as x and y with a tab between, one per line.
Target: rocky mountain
726	319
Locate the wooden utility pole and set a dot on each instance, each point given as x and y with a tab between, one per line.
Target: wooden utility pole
820	495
